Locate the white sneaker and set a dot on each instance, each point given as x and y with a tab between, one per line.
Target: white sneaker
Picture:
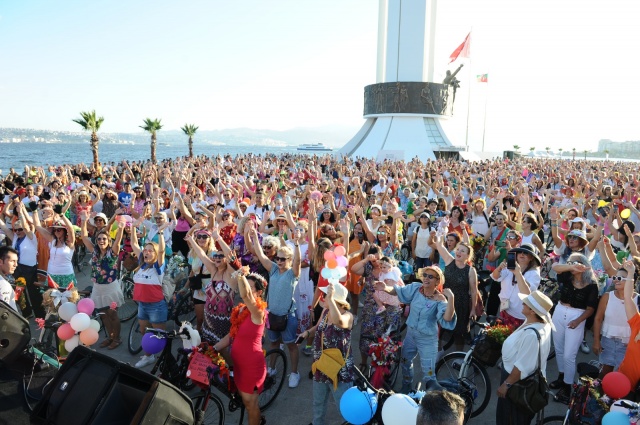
272	371
584	347
145	361
294	380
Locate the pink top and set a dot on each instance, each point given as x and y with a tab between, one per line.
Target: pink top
182	225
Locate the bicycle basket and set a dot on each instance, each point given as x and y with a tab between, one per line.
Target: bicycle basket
487	350
587	404
551	289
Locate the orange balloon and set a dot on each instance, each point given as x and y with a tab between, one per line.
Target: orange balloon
332	264
89	336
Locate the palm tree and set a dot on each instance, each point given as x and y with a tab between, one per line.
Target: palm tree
152	126
516	148
560	150
585	154
606	152
89	122
190	130
547	149
574	153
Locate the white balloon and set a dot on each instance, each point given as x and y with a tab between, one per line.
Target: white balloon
95	325
72	343
67	310
615	407
342	272
399	409
80	322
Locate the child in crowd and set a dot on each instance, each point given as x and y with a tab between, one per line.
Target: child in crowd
391	275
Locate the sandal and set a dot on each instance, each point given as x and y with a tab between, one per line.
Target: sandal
115	344
106	343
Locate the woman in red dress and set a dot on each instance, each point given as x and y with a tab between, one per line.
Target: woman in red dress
245	338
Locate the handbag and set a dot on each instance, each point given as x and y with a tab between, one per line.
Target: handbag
278	323
531	393
330	362
195	281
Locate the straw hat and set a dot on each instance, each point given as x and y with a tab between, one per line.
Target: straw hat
579	234
435	269
540	303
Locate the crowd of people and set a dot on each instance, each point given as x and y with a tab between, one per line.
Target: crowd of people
257	232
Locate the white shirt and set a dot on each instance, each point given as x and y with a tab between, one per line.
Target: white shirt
258	211
521	349
509	289
7	294
28	250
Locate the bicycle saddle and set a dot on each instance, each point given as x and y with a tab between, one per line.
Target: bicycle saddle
432	385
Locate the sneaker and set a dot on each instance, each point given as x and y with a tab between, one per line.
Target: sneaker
307	350
355	320
380	310
145	361
294	379
271	371
584	347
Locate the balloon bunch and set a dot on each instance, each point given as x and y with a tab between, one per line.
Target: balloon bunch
358	407
335	266
79	328
616	385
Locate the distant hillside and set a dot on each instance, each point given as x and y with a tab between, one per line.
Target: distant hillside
331	136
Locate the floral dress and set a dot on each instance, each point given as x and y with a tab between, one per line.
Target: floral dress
104	276
374	324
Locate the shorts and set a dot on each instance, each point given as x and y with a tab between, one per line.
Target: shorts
289	335
155	313
613	351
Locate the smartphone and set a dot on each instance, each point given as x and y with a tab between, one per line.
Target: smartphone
603	211
511	260
299	340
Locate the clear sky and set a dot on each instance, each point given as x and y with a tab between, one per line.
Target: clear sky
561	73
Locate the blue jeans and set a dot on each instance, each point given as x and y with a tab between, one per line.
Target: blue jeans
321	391
427	347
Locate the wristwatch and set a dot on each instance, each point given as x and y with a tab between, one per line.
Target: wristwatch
508	384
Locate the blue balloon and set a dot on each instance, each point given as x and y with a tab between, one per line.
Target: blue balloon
153	344
615	418
358	407
326	272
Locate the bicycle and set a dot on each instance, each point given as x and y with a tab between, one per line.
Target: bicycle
182	312
42	372
129	309
209	406
389	380
79	254
173	369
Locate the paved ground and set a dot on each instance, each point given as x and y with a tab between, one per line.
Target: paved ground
294	406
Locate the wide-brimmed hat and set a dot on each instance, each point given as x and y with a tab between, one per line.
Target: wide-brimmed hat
528	249
339	292
630	225
413	196
99	215
579	234
540	303
379	207
58	225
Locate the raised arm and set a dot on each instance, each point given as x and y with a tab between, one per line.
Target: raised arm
257	315
442	250
629	305
257	247
84	234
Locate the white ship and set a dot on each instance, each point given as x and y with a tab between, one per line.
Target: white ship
314	147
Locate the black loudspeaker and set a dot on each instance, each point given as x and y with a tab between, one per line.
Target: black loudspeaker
14	333
92	388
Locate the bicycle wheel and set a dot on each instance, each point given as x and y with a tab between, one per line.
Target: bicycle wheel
466	377
130	308
447	338
276	371
554	420
184	383
212	409
135	338
184	311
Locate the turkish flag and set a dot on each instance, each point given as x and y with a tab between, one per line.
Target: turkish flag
463	50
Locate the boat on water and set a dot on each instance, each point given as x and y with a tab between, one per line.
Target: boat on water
314	147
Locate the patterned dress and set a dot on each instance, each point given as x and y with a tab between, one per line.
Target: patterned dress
331	336
374	324
457	279
217	311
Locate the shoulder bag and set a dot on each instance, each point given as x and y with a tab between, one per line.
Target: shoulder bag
531	393
330	362
276	322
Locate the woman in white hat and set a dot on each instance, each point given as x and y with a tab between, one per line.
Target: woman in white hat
521	352
522	279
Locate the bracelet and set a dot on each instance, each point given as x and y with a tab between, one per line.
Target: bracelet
297	245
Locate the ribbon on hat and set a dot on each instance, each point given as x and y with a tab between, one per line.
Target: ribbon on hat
58	296
541	311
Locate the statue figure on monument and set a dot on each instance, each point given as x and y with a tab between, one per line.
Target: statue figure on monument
426	98
451	80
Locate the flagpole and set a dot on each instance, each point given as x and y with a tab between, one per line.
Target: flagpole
466	137
484	124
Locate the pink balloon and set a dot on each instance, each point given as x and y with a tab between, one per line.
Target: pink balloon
65	331
86	306
89	336
339	251
329	255
342	261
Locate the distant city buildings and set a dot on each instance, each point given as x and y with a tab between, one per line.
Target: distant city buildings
630	147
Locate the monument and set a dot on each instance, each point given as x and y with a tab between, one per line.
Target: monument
404	108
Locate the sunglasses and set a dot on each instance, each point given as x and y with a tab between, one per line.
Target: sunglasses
18	230
202	236
102	240
278	259
572	237
58	230
618	278
267	246
217	256
226	215
429	276
158	218
382	233
512	237
281	221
